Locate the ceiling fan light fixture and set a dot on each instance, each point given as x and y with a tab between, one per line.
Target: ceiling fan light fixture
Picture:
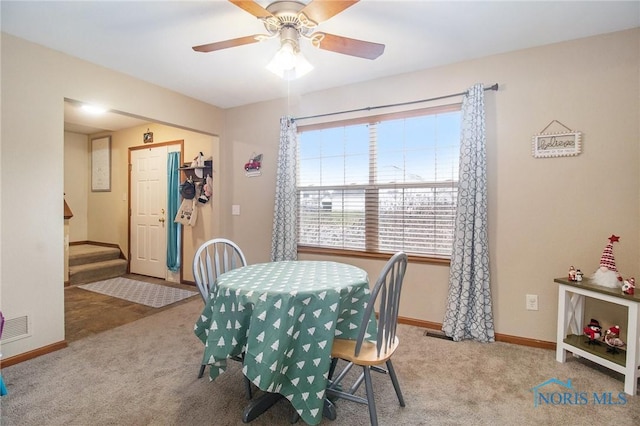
289	63
290	20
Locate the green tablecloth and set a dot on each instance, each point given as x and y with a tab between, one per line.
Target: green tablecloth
283	316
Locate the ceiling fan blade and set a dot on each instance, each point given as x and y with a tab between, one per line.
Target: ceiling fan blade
348	46
253	8
219	45
321	10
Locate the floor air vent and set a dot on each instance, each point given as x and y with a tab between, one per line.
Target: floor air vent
437	334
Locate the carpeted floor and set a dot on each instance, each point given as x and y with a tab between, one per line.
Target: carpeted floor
145	373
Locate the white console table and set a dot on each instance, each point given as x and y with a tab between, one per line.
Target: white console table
570	338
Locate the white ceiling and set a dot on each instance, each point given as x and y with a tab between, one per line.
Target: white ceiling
77	120
152	40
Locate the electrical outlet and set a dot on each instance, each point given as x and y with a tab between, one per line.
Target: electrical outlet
532	302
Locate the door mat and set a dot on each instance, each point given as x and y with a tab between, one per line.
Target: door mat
154	295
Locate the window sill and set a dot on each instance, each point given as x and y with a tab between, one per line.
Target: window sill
371	255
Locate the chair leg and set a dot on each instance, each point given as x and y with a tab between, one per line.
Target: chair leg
201	373
396	384
370	399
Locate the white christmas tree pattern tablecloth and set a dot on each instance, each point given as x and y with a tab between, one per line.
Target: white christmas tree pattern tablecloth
284	316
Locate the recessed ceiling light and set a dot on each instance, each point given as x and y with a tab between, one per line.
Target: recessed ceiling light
93	109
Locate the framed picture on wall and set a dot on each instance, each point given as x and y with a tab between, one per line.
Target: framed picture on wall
101	164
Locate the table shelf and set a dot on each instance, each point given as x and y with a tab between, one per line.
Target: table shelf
571	300
599	349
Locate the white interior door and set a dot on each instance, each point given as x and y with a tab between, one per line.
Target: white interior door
148	211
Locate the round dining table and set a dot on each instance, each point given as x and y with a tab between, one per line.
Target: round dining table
281	317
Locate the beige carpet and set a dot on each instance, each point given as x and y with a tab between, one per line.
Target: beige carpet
144	373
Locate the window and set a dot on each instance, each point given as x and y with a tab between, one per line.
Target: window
380	184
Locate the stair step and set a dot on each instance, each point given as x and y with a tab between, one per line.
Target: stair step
97	271
86	253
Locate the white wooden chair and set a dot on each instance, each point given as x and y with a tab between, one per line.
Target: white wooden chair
213	258
370	355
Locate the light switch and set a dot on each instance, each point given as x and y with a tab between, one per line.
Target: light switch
235	210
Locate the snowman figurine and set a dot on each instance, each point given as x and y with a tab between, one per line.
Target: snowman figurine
593	331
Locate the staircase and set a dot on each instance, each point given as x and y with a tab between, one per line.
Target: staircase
89	263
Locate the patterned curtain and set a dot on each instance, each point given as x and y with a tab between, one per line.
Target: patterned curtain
469	314
173	204
285	215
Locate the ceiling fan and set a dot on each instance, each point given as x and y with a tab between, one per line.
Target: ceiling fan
291	20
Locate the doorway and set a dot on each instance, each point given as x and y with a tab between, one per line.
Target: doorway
148	219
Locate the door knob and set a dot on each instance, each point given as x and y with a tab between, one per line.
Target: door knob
161	220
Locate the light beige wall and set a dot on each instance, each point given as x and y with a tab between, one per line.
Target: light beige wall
77	181
208	222
108	211
544	214
35	82
248	130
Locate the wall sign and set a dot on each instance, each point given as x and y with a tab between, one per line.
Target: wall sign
559	144
101	164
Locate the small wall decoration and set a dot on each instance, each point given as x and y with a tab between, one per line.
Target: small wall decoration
101	164
560	144
147	137
252	168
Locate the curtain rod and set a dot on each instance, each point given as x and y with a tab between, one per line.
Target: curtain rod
494	87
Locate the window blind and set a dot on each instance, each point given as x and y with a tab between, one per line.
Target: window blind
383	185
